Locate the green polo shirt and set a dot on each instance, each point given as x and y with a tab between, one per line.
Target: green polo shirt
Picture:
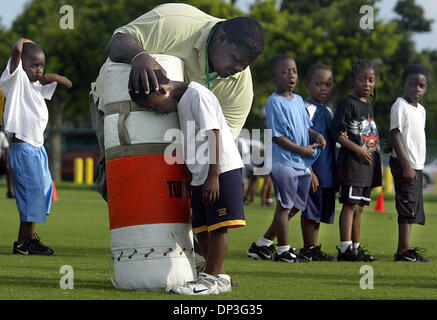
182	30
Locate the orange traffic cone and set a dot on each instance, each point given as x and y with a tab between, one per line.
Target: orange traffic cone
54	194
380	203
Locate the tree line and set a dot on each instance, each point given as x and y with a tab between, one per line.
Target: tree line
319	31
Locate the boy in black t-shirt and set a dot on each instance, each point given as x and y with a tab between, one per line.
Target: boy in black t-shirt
358	162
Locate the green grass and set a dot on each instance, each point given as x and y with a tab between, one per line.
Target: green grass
78	230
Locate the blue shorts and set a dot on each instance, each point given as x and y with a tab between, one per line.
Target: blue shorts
291	186
321	206
227	211
31	181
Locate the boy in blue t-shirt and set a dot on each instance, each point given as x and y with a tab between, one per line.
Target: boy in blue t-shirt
292	155
321	201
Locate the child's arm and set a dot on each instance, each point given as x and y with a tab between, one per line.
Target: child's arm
17	49
318	138
362	154
63	82
211	187
408	172
293	147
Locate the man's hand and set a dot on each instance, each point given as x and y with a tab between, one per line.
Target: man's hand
211	190
142	74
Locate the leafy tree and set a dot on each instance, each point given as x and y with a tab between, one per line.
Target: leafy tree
77	53
411	17
329	34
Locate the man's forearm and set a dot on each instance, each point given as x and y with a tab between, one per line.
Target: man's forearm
122	48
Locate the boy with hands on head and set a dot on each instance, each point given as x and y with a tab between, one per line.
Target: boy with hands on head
25	118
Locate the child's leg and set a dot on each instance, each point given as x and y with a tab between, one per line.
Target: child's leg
356	224
265	190
202	240
310	232
250	192
280	220
216	251
346	222
404	230
25	231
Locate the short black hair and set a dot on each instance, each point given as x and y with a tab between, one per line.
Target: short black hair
415	68
245	32
31	49
315	67
361	65
277	59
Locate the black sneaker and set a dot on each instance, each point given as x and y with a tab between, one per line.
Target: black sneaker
364	256
411	255
261	252
289	256
349	255
10	195
314	253
306	253
32	247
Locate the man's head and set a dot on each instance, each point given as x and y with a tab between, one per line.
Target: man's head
33	59
236	44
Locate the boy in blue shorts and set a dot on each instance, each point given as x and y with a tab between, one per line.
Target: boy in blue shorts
321	201
25	119
217	195
292	155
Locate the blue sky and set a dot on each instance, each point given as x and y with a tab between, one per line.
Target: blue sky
10	9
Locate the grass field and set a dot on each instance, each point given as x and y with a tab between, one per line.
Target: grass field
78	231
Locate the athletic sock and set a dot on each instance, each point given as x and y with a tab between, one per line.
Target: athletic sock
356	245
263	242
344	245
282	249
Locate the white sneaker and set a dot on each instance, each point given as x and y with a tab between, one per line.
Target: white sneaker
204	285
224	283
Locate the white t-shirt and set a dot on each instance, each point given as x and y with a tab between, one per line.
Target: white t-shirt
200	111
25	113
410	121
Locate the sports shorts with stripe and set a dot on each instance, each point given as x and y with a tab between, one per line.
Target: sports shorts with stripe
355	195
227	211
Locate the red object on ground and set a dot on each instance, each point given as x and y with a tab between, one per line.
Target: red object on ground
380	203
54	194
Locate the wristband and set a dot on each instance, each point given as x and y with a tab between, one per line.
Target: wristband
138	54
